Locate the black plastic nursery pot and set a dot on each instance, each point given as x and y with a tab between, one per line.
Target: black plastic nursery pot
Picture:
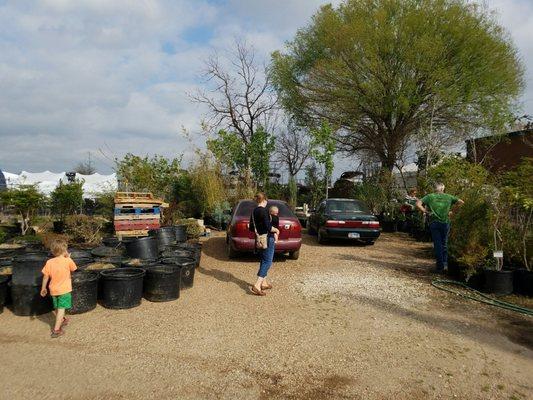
111	241
27	300
498	282
122	288
165	236
84	291
523	282
27	269
145	247
4	280
106	251
59	226
187	266
181	233
389	226
162	282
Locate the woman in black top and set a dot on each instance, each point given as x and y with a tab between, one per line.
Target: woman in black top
260	222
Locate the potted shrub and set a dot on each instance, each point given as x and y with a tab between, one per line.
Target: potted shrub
497	280
67	198
389	217
518	193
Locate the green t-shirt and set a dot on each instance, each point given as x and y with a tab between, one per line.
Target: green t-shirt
439	205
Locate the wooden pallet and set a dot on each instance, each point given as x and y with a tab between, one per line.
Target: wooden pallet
137	198
138	205
132	217
140	232
137	211
136	225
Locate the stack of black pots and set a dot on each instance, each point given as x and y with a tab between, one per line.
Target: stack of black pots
26	283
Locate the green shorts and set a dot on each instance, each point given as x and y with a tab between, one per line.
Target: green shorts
62	301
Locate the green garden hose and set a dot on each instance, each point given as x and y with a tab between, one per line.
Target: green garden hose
478	296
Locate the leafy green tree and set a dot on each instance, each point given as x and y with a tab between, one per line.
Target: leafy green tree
314	183
323	149
235	153
155	174
67	198
25	200
385	70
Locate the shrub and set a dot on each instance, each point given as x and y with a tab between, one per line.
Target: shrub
194	230
67	198
84	229
25	200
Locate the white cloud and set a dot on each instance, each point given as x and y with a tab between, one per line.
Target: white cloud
84	75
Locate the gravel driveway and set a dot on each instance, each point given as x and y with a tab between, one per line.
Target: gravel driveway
342	322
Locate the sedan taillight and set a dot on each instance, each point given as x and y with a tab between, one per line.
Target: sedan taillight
334	223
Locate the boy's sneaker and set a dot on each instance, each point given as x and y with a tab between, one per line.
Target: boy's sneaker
56	334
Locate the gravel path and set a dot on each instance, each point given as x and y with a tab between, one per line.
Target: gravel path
343	322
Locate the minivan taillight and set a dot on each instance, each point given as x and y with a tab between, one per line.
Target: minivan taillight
241	229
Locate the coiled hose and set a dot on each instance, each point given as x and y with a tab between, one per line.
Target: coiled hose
478	296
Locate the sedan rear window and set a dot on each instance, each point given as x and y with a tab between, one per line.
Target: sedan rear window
346	206
245	208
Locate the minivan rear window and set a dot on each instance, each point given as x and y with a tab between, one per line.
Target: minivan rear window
346	206
245	208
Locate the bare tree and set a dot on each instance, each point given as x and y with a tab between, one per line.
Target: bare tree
293	148
240	97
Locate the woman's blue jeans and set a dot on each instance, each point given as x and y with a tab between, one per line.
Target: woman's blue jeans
439	234
267	255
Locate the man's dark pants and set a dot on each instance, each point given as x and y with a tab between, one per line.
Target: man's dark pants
439	234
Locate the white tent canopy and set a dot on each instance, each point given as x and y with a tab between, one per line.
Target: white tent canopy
47	181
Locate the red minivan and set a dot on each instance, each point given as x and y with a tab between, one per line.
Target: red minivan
239	238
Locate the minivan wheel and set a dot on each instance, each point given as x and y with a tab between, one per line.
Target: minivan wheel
294	255
230	252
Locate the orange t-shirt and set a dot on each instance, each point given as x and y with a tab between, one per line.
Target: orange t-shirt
58	269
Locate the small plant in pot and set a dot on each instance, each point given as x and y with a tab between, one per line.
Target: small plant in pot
389	221
497	280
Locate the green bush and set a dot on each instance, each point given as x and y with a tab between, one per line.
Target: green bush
67	198
84	229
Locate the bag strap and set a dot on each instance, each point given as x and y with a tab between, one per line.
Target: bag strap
253	219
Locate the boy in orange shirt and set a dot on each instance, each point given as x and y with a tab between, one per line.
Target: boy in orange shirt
57	270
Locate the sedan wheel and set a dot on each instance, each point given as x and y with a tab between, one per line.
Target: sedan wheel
321	238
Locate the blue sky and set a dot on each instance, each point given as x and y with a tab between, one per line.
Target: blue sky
110	77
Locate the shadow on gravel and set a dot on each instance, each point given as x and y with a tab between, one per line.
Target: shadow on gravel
515	327
224	276
215	247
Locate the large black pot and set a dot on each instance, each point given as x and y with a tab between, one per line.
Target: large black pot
389	226
162	282
138	263
523	282
4	280
111	241
122	287
27	269
27	300
84	291
498	282
181	233
196	248
145	247
105	251
165	236
187	266
59	226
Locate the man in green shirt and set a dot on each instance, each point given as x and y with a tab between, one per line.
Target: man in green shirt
439	207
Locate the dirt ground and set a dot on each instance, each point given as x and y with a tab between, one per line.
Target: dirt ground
342	322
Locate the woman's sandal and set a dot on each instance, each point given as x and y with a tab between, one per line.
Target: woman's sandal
65	322
56	334
266	287
254	290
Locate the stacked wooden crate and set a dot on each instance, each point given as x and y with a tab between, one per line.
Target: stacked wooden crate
136	213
